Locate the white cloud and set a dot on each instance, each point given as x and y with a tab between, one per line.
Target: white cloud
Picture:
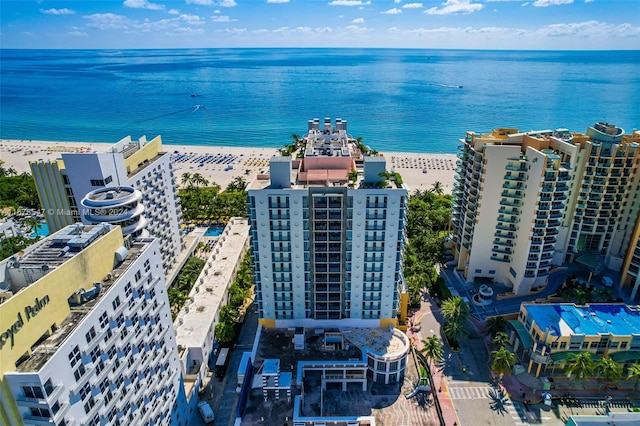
412	6
545	3
324	29
277	1
173	12
233	31
358	21
142	4
397	1
200	2
64	11
589	1
394	11
526	3
108	21
77	33
357	29
260	31
220	18
590	29
188	31
192	19
455	7
349	3
228	3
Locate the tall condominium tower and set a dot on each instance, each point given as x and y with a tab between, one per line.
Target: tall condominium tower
87	335
525	202
328	234
63	185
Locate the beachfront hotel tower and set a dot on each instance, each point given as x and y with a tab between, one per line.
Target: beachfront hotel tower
527	202
142	195
87	336
328	234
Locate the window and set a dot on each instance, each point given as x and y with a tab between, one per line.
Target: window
91	334
74	356
116	303
138	276
97	182
104	320
89	405
108	179
79	372
85	391
40	412
33	392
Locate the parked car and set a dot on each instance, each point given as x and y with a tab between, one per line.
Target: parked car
206	412
606	281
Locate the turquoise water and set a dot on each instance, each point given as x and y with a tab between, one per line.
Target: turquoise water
42	230
396	99
213	232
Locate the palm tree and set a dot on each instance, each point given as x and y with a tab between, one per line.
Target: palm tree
436	188
495	325
454	331
609	369
432	349
579	366
455	309
186	179
634	374
503	361
229	314
501	339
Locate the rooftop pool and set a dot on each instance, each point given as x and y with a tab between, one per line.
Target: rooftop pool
213	232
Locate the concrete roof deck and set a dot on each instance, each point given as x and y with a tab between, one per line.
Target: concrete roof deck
195	319
44	350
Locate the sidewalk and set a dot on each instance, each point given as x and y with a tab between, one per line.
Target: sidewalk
441	389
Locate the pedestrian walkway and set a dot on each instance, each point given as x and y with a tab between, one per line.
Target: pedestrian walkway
469	392
441	387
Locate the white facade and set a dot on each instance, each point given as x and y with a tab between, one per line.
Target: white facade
113	359
196	321
526	202
327	247
139	164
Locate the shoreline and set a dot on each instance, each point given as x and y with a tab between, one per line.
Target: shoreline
221	164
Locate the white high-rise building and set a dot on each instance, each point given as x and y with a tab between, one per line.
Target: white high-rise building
64	183
526	202
328	234
87	334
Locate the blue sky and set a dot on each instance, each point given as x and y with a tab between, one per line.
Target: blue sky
472	24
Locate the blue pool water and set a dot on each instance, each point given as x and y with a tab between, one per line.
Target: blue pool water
42	230
213	232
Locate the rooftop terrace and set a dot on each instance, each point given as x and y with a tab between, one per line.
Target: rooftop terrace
618	319
43	350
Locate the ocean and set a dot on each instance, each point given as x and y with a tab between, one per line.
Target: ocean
396	99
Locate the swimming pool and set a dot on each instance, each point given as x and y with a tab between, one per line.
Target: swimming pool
42	230
213	232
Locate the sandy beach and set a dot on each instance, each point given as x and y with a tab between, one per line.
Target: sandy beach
221	164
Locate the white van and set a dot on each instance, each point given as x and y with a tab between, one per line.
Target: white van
206	412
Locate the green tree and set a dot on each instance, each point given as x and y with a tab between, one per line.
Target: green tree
455	310
503	361
454	331
579	366
501	339
432	349
224	332
229	314
495	325
186	179
609	369
437	188
238	184
634	374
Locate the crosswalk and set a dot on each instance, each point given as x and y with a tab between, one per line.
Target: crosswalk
470	392
488	393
